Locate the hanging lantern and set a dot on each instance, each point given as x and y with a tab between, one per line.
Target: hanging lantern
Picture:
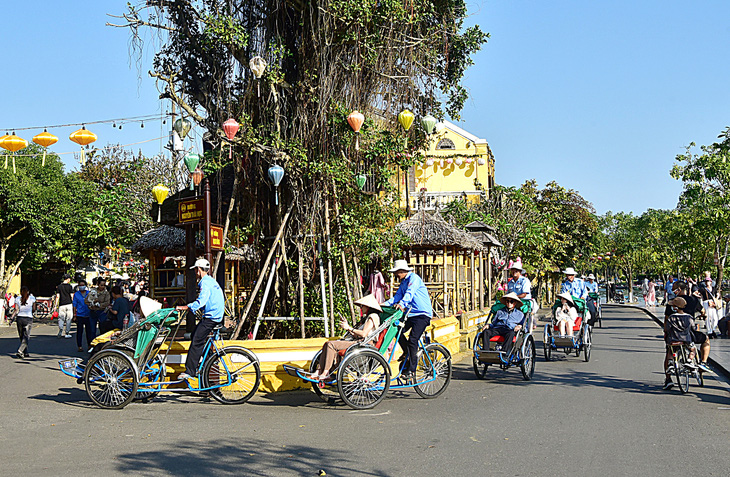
429	162
355	120
182	127
45	139
405	118
458	161
449	161
361	179
159	192
230	127
429	124
468	160
276	174
82	137
197	176
191	162
257	65
13	144
481	161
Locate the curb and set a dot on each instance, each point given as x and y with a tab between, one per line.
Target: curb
715	364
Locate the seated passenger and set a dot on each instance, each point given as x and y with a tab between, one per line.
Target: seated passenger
506	322
566	314
370	321
678	329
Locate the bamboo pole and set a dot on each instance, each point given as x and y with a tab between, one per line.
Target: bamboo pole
255	291
445	280
344	263
471	280
457	301
357	285
481	280
329	261
301	287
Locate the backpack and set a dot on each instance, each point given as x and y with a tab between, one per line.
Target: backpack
679	328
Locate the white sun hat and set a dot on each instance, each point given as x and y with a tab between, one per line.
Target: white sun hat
570	271
400	265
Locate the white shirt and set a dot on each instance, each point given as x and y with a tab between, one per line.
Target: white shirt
27	309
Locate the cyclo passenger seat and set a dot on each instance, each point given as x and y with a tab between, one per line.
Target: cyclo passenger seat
576	326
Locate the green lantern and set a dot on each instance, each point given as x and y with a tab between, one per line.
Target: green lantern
191	162
361	179
429	124
182	126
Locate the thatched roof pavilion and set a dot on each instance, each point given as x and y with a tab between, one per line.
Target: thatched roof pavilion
482	232
433	232
166	239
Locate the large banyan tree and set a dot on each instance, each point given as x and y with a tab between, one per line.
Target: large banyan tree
325	59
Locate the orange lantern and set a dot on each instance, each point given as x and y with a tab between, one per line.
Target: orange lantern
82	137
45	139
13	144
355	120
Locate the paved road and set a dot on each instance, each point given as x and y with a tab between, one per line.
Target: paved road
605	416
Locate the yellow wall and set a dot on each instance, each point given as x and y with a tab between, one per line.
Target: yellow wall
14	286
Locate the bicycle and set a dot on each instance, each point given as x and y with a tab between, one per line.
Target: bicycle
681	367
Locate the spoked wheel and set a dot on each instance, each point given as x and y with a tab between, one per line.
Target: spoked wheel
600	317
42	310
587	342
326	394
110	379
363	379
153	372
527	363
699	377
433	373
682	376
244	370
547	348
480	369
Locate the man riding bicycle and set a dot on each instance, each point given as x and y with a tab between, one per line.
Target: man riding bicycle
577	288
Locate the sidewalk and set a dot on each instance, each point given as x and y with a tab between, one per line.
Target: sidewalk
719	348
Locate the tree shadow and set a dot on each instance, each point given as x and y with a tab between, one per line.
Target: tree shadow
247	456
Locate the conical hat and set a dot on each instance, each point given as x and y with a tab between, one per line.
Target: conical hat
148	305
567	296
370	301
510	296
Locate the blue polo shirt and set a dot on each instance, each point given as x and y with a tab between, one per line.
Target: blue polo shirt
592	287
412	293
577	288
507	319
520	286
210	297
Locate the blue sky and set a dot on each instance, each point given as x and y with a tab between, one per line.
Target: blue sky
597	95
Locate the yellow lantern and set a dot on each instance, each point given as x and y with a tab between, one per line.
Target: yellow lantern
45	139
82	137
12	143
159	192
405	118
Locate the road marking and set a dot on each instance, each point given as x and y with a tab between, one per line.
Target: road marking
358	413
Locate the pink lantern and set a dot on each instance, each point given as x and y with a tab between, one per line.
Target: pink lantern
449	161
355	120
230	127
468	160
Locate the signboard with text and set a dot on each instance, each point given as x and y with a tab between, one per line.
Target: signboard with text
191	211
216	237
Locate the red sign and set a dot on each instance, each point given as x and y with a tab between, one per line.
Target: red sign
216	237
191	211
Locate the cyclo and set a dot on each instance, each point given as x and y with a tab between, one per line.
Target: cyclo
128	365
581	339
522	353
364	373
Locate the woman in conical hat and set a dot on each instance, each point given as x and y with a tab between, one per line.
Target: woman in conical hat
330	351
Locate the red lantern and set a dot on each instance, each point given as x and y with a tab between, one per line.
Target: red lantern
230	127
355	120
197	176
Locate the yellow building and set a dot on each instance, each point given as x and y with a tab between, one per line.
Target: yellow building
458	164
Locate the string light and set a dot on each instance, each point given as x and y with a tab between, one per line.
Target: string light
131	119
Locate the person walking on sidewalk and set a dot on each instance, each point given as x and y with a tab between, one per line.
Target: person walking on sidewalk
98	300
25	305
82	314
211	301
651	296
64	297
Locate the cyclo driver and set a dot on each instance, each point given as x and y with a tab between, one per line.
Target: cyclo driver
577	288
692	306
506	322
519	285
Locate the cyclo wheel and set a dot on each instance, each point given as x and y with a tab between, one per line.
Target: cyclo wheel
680	372
326	394
547	347
480	369
41	311
363	379
111	379
154	371
433	373
245	375
587	343
527	363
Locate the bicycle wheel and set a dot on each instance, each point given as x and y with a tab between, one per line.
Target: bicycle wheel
480	369
547	347
111	379
527	363
587	343
325	393
363	379
41	311
681	375
243	368
433	373
600	317
153	372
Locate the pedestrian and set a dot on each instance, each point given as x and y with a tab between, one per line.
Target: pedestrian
64	299
118	315
668	293
82	314
377	285
413	294
25	305
645	291
710	306
98	300
211	301
652	293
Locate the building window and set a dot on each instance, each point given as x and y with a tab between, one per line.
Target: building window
446	144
